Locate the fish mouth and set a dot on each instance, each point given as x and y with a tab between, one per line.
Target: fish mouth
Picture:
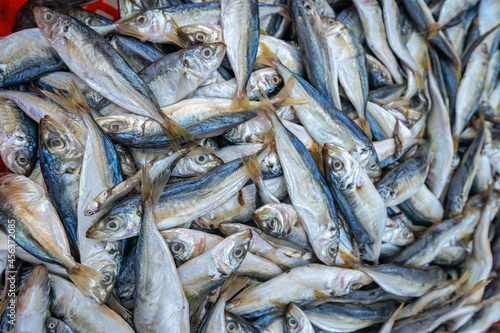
126	29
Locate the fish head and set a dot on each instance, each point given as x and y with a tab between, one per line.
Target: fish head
305	9
229	254
183	245
59	146
326	246
121	222
201	61
235	324
369	162
332	26
104	258
387	193
52	25
54	325
348	280
18	155
268	79
140	25
196	165
341	166
295	319
123	125
271	164
275	219
196	34
89	18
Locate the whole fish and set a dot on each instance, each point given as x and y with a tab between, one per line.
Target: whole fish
358	199
25	205
18	138
240	30
309	283
70	38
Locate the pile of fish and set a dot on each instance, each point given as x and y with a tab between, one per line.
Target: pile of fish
245	166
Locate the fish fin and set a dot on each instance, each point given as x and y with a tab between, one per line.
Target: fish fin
398	140
283	98
113	303
252	166
433	28
174	37
365	127
233	285
174	131
74	101
455	144
240	101
267	57
285	12
349	259
89	281
263	32
387	327
151	190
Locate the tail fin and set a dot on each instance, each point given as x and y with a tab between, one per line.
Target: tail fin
174	131
434	28
240	101
174	36
283	98
117	307
252	167
74	101
455	144
349	259
285	12
387	327
267	57
365	126
89	281
151	192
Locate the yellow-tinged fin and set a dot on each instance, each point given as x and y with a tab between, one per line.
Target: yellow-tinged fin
252	166
89	281
150	190
113	303
285	12
455	144
266	106
267	57
365	127
283	98
434	29
74	101
240	101
174	131
174	36
233	285
349	259
263	32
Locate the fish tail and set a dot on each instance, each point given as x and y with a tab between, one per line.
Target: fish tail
174	35
349	259
387	327
267	57
74	101
113	303
240	101
365	126
89	281
455	144
233	285
434	29
285	12
283	98
252	166
151	190
174	131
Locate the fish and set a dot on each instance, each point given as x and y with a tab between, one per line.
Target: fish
297	320
69	37
240	30
18	138
321	281
152	251
22	198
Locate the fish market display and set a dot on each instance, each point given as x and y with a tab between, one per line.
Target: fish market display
242	166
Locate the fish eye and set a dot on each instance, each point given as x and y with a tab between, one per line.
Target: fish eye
185	62
200	158
338	165
332	250
107	278
22	160
239	252
373	166
307	6
89	20
273	223
112	225
207	52
51	325
292	323
200	36
177	248
275	79
47	16
231	326
141	19
56	143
